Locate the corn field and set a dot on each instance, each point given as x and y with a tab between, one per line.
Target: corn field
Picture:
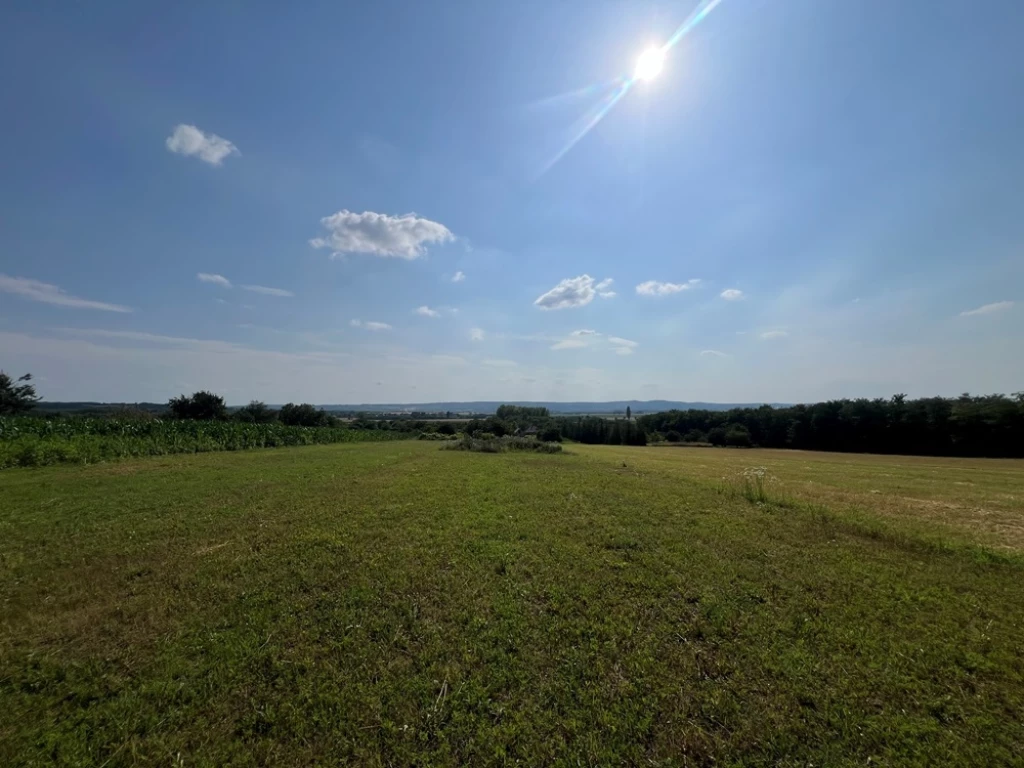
27	441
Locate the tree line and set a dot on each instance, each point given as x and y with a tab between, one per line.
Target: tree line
988	425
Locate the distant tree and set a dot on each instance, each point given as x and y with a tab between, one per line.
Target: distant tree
672	436
256	412
738	436
201	406
629	413
716	436
447	428
695	436
550	434
17	396
305	415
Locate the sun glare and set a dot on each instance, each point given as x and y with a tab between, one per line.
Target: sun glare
650	63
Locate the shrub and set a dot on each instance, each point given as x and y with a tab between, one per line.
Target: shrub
502	445
695	436
672	436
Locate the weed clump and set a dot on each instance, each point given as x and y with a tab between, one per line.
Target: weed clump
491	444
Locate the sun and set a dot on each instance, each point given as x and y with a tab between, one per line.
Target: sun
650	63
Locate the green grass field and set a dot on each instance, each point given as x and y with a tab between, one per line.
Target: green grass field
395	604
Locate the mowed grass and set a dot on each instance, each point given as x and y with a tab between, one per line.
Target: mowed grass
396	604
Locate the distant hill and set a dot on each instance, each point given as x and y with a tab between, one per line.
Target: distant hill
490	406
477	406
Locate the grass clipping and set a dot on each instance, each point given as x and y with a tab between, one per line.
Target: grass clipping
501	445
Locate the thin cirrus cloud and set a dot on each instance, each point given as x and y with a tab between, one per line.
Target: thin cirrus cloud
459	276
403	237
574	292
268	291
987	309
769	335
46	293
586	337
369	325
657	288
207	277
209	147
712	353
732	294
223	282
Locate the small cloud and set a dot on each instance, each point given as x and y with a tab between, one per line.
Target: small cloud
52	294
622	346
476	334
584	332
268	291
459	276
712	353
369	325
604	289
731	294
221	301
656	288
774	334
501	363
987	309
571	292
206	277
569	344
426	311
403	237
209	147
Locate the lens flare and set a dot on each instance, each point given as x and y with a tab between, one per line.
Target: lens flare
649	65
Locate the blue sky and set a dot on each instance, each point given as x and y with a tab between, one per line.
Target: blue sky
812	200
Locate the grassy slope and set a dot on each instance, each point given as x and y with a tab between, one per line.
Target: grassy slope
396	604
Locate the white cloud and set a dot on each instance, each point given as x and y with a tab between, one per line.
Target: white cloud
569	344
604	289
206	277
476	334
209	147
622	346
773	334
427	311
268	291
731	294
656	288
52	294
607	294
571	292
459	276
585	332
712	353
369	325
987	309
404	237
